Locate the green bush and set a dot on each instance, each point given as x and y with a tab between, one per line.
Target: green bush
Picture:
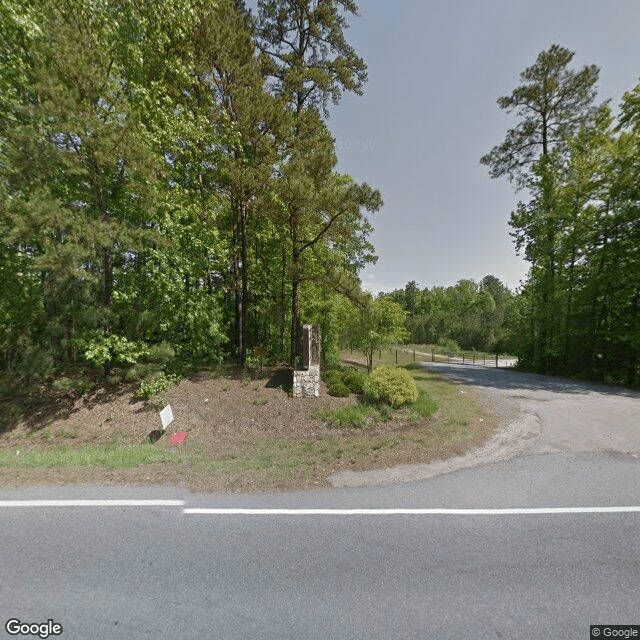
156	385
332	376
37	363
353	379
451	345
66	385
393	385
339	389
161	353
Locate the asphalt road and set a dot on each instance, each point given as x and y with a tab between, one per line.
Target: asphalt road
180	571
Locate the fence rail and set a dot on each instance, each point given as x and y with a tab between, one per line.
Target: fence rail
459	357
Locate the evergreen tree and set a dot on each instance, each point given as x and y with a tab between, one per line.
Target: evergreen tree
305	54
552	103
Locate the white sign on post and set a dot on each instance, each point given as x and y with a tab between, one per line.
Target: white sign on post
166	415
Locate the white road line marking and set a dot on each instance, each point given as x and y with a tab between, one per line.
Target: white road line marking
91	503
393	512
314	512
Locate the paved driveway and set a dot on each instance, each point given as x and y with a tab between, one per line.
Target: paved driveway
541	414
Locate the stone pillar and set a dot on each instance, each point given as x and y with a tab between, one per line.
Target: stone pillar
306	382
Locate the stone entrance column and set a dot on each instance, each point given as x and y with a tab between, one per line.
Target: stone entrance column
306	382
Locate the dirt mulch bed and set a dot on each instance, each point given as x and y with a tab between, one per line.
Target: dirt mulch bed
227	419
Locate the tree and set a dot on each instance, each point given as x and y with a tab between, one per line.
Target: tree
155	198
246	120
98	106
379	325
305	51
305	54
77	167
552	103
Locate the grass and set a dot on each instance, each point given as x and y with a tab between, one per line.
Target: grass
109	457
443	350
357	416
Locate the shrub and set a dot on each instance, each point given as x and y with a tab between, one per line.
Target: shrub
161	353
356	416
353	379
66	385
113	349
393	385
339	389
451	345
156	385
331	377
37	363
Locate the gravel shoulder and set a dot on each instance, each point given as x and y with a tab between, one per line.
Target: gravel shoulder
538	414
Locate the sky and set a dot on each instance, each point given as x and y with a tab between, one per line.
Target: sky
428	114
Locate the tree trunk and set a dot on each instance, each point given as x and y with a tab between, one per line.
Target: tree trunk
295	289
238	340
244	299
282	299
107	284
295	318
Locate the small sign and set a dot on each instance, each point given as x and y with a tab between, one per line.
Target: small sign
166	415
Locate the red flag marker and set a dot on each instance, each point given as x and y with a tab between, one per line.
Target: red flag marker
176	438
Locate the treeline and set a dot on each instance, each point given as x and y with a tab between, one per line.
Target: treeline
579	311
468	315
168	185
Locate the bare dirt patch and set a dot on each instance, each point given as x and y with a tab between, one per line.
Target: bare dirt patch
244	434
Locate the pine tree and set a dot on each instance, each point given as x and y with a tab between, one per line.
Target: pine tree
306	55
552	103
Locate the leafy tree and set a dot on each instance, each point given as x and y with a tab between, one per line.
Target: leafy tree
156	199
379	325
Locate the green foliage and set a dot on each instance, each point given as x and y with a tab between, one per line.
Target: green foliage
36	363
393	385
379	325
354	416
469	315
332	376
354	380
578	311
343	382
426	405
63	384
99	349
451	345
338	389
159	207
156	385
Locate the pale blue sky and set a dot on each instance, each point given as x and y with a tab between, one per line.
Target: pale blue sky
429	112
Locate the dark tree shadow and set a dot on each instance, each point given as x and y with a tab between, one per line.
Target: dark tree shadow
281	378
154	436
